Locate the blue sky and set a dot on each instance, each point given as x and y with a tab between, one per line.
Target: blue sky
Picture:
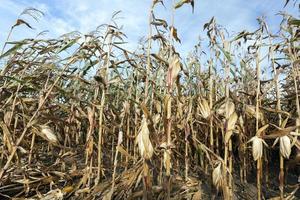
62	16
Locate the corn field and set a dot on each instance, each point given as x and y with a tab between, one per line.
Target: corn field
82	117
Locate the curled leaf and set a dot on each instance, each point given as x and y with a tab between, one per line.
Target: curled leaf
20	22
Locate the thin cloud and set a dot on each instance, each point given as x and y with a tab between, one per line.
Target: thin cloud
70	15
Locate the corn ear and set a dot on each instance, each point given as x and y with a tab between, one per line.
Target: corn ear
230	126
217	176
257	147
285	146
48	134
143	140
204	109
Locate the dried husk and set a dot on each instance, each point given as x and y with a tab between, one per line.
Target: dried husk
230	126
285	146
48	134
257	147
173	70
251	111
230	109
222	109
143	141
217	176
204	109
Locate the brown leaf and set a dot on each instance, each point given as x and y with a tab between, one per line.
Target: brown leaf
261	130
280	132
20	22
174	34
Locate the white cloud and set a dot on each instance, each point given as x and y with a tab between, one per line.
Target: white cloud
85	16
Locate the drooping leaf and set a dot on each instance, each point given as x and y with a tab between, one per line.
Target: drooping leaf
68	45
160	22
242	34
280	132
13	49
20	22
181	2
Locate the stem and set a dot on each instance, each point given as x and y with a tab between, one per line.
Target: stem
101	111
100	136
278	107
148	53
147	182
210	106
31	148
258	179
281	177
258	73
168	131
114	172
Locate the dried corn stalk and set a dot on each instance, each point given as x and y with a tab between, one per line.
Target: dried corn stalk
167	159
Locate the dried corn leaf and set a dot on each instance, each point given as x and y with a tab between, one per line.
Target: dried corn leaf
7	138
